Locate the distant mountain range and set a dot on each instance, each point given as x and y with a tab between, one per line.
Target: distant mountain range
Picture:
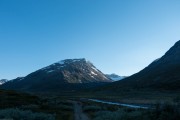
2	81
77	74
161	74
115	77
65	75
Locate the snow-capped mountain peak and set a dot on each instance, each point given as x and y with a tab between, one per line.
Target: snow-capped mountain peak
66	61
115	77
66	74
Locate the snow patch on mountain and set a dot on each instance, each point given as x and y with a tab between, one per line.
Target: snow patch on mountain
93	73
3	81
61	62
157	60
50	71
94	68
117	78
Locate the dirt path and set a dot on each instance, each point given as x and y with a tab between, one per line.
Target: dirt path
78	113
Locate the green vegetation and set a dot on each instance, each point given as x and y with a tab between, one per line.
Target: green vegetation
17	114
58	107
21	104
99	111
133	96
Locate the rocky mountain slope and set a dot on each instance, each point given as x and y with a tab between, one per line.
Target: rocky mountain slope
161	74
69	74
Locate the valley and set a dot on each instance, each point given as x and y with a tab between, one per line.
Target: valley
74	89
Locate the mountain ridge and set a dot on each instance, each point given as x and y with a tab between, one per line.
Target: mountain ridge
161	74
115	77
60	75
2	81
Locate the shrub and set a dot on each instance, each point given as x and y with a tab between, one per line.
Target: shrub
65	107
91	108
169	112
17	114
29	107
108	115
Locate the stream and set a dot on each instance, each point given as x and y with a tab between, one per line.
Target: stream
121	104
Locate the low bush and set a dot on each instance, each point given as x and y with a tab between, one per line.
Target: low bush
108	115
167	111
161	112
29	107
65	107
91	108
17	114
120	114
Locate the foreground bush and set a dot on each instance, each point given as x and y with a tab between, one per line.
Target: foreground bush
17	114
91	108
161	112
121	114
166	112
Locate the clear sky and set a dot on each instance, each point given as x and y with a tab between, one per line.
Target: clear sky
117	36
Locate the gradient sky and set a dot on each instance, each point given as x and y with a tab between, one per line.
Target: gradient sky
117	36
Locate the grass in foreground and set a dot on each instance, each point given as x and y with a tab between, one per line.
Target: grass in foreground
15	105
99	111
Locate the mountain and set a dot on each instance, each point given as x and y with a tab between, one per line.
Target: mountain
161	74
115	77
2	81
68	75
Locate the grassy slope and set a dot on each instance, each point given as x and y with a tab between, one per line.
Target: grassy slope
50	105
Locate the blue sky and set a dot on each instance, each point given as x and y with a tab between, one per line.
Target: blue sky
118	36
